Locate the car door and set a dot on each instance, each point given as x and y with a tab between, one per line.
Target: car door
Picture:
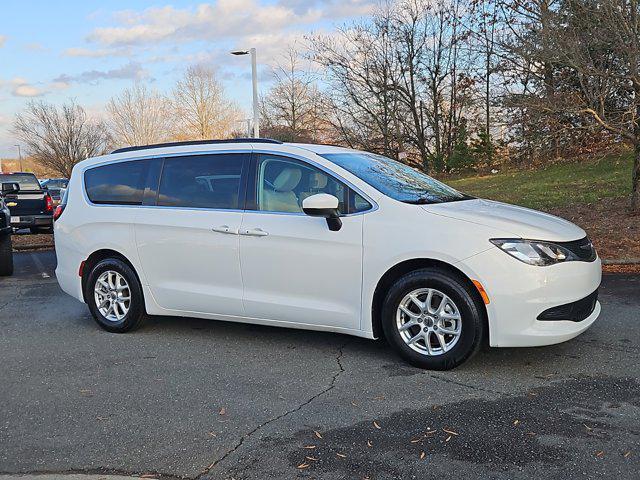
294	268
188	241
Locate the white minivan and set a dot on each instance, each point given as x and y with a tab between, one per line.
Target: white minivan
321	238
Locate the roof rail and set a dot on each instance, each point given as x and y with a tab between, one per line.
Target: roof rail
197	142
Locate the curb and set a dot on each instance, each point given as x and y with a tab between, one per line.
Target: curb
42	246
624	261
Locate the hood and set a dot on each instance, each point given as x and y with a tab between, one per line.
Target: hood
510	220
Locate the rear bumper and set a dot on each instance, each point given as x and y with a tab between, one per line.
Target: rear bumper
520	293
26	221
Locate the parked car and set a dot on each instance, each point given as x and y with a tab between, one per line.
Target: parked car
6	250
32	206
55	187
321	238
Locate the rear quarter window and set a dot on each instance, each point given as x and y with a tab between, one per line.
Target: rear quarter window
119	183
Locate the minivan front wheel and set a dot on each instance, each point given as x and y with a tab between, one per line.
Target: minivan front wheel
114	296
432	319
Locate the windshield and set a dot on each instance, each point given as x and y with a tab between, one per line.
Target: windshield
55	183
395	179
26	181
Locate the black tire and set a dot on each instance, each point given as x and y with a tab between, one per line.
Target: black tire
136	314
471	314
6	256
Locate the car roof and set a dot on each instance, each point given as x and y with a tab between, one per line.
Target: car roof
178	148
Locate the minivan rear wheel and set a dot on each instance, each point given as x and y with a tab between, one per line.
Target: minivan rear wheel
114	296
432	319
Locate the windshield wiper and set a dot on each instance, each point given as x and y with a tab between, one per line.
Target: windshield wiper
424	200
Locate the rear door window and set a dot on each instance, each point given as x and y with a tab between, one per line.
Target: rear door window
119	183
203	181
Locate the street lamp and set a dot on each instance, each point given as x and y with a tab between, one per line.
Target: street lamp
19	156
254	78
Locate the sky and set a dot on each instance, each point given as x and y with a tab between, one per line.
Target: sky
90	50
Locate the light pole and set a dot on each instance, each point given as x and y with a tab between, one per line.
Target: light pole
19	156
254	79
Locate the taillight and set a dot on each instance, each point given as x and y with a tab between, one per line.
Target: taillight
58	212
49	203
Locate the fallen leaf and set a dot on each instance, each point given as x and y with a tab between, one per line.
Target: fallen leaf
422	455
379	397
302	465
369	444
317	433
354	404
626	454
341	455
600	454
416	440
450	432
516	421
533	434
313	459
375	424
222	411
448	438
212	434
587	427
309	447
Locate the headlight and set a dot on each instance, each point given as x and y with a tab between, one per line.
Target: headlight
534	252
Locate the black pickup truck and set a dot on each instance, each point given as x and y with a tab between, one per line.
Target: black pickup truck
32	206
6	254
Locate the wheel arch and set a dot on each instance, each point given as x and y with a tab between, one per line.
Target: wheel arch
96	257
406	266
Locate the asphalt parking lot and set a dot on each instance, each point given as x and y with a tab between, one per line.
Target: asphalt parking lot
203	399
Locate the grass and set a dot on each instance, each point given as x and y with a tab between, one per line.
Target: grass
557	185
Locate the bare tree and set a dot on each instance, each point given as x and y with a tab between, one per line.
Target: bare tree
58	138
360	66
293	109
582	59
202	110
139	116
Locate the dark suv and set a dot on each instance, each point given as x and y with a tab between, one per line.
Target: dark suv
32	206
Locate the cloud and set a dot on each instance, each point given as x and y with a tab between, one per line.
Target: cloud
3	39
129	71
20	87
222	19
98	53
35	47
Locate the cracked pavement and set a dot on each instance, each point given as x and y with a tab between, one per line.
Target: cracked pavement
188	398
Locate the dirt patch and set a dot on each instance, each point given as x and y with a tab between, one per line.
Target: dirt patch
615	232
29	241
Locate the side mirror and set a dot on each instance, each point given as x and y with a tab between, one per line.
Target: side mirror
10	187
323	205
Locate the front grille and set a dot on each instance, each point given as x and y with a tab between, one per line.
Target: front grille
583	249
574	311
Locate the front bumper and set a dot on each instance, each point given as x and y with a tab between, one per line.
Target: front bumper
27	221
520	293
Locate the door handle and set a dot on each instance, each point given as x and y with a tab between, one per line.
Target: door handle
225	229
254	232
